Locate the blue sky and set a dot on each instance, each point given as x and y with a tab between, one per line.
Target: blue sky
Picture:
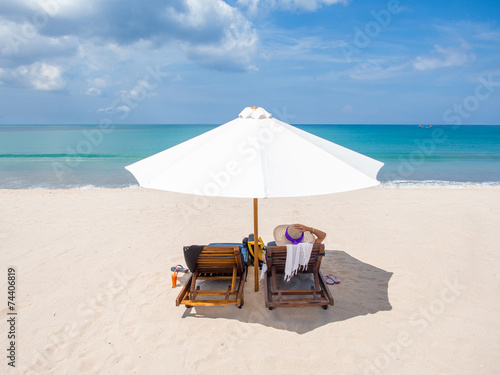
203	61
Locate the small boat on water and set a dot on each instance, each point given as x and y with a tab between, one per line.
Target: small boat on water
425	126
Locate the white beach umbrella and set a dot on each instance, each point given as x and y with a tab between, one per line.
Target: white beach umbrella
257	156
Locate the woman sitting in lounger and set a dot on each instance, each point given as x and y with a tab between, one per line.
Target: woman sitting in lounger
297	233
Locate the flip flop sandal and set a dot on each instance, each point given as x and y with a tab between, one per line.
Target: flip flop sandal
179	268
331	280
335	280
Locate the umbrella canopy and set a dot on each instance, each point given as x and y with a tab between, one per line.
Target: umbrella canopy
257	156
280	159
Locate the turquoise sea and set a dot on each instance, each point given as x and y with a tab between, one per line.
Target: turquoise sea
77	156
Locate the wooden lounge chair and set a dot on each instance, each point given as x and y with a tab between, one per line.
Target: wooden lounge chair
215	263
317	295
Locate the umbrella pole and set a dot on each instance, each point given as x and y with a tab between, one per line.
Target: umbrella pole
256	242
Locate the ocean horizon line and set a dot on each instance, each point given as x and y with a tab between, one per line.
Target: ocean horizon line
398	184
218	124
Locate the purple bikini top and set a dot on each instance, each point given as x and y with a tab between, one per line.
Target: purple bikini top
293	240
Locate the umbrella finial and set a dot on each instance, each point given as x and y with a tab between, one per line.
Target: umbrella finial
254	113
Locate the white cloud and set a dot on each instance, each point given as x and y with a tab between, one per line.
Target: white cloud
22	42
236	43
308	5
254	6
286	46
51	8
100	82
488	36
140	91
93	92
347	108
43	76
373	70
107	110
233	53
444	57
209	32
111	110
39	76
124	108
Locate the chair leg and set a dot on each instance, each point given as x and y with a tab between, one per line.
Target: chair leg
268	298
194	275
233	280
325	288
315	276
184	291
274	282
241	288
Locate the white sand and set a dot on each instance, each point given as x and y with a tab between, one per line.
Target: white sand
419	285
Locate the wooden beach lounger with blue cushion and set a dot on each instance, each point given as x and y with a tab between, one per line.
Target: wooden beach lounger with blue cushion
213	263
317	295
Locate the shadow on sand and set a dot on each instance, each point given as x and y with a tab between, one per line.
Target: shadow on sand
363	290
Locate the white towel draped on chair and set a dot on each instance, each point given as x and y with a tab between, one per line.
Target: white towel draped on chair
297	256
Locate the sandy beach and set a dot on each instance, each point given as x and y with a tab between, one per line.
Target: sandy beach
419	291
